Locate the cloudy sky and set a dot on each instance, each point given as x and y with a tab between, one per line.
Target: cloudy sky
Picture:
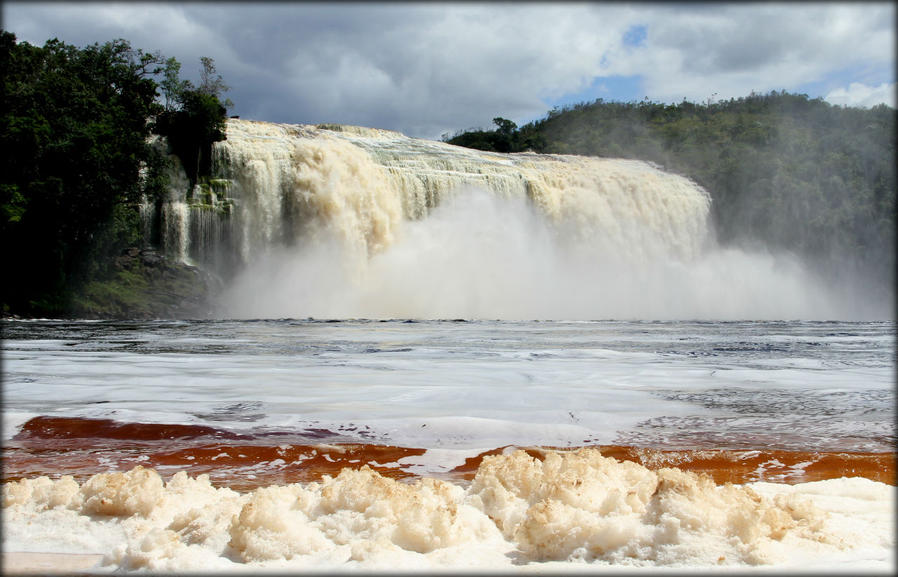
430	68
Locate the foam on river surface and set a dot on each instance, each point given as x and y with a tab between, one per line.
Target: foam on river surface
518	512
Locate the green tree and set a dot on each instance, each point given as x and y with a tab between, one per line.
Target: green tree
74	128
505	138
199	120
173	87
211	83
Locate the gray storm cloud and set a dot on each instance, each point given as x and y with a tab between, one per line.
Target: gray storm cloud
426	69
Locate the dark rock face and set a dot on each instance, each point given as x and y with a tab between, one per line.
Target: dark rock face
150	258
146	285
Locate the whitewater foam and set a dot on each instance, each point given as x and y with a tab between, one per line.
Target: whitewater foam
519	512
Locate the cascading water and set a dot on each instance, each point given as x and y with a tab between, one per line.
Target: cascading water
362	184
339	221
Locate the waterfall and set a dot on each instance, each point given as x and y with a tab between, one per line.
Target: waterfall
301	182
341	221
175	215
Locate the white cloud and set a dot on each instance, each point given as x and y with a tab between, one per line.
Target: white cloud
425	69
734	49
858	94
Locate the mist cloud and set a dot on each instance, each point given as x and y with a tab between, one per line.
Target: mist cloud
481	256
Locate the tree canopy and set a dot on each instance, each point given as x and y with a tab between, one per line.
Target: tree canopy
74	125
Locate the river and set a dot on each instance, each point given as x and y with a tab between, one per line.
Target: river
262	404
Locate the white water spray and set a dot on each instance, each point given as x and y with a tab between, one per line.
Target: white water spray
342	222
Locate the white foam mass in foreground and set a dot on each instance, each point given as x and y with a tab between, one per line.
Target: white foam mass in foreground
571	510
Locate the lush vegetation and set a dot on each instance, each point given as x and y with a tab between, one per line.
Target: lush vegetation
194	118
74	127
784	170
506	137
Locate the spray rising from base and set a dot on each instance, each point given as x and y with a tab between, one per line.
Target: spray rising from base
479	255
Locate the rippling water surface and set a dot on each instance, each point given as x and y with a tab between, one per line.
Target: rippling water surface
469	385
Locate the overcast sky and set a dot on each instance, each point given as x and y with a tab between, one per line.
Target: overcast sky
430	68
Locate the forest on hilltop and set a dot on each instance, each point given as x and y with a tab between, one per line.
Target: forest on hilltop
783	170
